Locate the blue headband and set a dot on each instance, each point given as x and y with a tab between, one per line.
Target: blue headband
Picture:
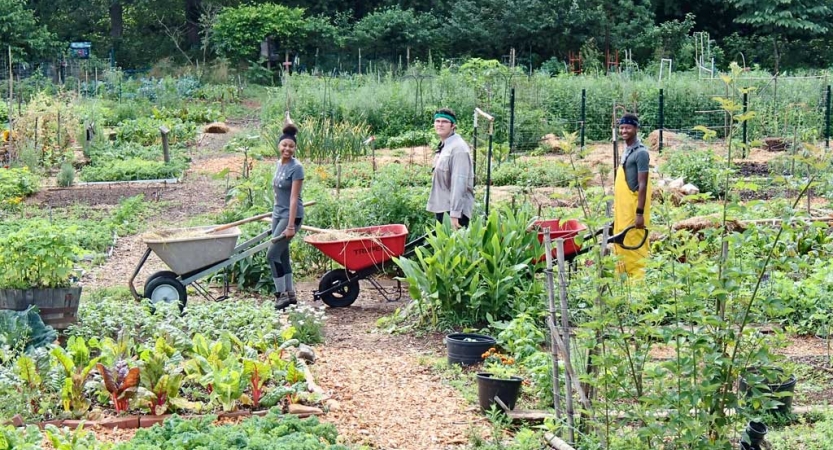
629	121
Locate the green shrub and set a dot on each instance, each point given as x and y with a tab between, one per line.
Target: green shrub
701	168
145	130
411	138
473	275
67	175
538	173
132	169
40	255
16	184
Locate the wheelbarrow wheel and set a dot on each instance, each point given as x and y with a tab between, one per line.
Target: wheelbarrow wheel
343	296
161	273
165	288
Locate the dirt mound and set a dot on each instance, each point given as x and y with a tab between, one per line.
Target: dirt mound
553	143
669	139
216	127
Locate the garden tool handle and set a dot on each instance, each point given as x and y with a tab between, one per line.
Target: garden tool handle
250	219
313	229
620	238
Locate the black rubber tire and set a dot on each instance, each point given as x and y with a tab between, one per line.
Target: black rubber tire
166	289
343	296
161	273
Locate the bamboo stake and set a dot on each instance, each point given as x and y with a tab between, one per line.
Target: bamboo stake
562	282
556	382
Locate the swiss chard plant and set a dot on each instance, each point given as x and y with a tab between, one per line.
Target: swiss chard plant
160	378
121	382
77	366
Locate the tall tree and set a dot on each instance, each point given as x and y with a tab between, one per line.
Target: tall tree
19	29
193	10
781	19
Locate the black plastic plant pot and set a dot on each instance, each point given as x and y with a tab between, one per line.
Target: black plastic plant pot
489	387
467	348
755	432
748	446
775	387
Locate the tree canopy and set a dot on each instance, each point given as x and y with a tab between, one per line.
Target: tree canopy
772	33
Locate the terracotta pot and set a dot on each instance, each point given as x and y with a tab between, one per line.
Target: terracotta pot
123	423
149	421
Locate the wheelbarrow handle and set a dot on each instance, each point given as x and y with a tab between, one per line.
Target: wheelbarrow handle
619	238
247	220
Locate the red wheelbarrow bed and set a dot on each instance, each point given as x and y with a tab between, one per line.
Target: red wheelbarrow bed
567	230
370	246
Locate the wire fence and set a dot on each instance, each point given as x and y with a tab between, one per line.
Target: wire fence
526	108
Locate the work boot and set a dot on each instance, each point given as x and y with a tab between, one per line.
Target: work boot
284	299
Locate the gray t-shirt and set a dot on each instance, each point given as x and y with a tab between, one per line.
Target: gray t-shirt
285	174
635	161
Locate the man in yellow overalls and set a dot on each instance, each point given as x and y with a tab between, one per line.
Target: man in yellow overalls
632	199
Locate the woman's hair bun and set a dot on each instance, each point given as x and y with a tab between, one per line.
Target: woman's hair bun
290	128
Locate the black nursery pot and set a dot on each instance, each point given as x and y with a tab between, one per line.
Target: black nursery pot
774	388
507	390
467	348
755	431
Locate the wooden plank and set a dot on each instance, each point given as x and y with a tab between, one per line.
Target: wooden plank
557	443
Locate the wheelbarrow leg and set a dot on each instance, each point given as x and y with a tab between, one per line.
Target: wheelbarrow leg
136	273
385	292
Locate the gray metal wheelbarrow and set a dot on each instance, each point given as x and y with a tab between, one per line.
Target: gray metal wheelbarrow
194	253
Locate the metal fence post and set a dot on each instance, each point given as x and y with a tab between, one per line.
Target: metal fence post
511	120
827	120
583	115
661	113
744	126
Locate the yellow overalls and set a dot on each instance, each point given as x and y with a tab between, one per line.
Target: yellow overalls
624	215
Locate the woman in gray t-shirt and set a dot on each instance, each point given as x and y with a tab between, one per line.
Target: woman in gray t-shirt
287	216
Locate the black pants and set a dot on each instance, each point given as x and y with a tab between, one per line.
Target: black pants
464	221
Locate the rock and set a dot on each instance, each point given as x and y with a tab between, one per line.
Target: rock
17	420
690	189
677	183
333	404
306	353
216	127
295	408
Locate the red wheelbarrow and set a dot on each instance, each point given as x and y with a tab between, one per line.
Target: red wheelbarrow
363	252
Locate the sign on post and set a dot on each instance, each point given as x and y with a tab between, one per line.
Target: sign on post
80	50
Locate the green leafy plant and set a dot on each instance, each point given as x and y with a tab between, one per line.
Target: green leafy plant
161	378
77	365
121	382
15	184
23	331
67	175
308	323
41	255
473	275
257	373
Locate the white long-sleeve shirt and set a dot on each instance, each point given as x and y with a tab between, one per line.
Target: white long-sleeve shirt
452	186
